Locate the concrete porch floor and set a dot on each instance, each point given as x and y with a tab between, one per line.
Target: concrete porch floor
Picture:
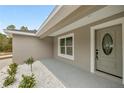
73	77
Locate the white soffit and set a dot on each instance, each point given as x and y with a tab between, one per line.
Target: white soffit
49	18
42	30
98	15
19	33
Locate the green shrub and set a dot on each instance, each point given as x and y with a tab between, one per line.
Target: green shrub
29	61
12	69
11	74
13	65
9	80
27	81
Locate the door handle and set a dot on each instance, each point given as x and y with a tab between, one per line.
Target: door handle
97	52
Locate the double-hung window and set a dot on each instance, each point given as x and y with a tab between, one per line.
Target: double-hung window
66	46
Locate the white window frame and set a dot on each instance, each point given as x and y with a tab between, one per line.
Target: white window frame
71	57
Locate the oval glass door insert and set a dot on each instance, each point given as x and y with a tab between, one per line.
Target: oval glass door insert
107	44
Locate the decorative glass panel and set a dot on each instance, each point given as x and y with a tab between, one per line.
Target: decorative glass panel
107	44
62	42
62	49
69	50
69	41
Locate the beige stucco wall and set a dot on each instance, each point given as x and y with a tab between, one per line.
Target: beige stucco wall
26	46
82	44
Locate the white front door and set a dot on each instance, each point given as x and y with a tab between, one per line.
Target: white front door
109	50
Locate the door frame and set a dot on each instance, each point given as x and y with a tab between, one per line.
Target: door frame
92	42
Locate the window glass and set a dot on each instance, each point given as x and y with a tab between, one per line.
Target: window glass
69	50
66	46
69	41
62	42
107	44
62	50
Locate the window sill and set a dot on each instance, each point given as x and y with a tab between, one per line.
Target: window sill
66	56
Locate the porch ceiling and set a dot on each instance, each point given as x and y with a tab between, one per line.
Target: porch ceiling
93	14
77	13
55	17
72	76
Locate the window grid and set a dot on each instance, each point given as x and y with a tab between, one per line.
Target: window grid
67	53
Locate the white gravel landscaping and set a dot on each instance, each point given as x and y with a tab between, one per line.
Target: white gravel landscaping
44	78
5	62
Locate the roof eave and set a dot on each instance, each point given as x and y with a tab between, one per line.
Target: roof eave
56	9
44	28
11	32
